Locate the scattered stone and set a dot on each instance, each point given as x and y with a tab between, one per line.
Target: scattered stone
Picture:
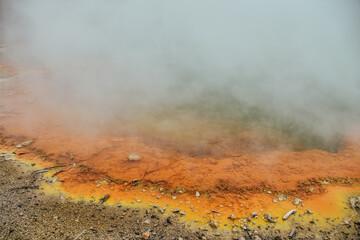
174	197
105	198
268	217
24	144
286	216
214	224
324	182
297	201
182	213
232	217
254	214
274	200
355	203
308	211
292	233
176	210
311	189
197	194
147	221
134	157
146	235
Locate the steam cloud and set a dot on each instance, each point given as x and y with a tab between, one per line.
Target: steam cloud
280	62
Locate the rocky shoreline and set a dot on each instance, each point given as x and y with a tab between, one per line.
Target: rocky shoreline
27	213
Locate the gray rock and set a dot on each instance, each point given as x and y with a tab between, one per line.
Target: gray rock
287	215
214	224
292	233
105	198
24	144
268	216
134	157
297	201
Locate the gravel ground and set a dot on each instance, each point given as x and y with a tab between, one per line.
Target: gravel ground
26	213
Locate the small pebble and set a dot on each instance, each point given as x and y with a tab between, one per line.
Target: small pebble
134	157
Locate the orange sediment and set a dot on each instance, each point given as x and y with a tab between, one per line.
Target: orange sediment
94	165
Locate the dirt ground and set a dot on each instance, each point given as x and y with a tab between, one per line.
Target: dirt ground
27	213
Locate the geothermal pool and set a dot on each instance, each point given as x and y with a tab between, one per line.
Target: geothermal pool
203	169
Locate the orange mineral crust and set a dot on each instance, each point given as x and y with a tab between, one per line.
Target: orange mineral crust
275	170
90	164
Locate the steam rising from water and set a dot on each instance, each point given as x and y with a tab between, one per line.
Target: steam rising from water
291	67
